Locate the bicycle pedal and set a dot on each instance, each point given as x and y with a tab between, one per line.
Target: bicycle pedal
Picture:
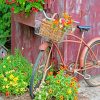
87	76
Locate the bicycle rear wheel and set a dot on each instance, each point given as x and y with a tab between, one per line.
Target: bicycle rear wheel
37	73
91	65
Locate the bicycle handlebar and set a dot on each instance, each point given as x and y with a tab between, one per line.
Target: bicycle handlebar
52	18
46	16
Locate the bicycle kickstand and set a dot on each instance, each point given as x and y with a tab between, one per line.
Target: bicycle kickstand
86	76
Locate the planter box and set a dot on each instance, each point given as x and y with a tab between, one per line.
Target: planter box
33	20
28	20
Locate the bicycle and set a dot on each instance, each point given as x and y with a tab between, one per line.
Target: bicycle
86	61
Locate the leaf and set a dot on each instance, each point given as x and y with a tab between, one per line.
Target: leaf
28	7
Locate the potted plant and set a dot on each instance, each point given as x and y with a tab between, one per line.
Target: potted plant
24	10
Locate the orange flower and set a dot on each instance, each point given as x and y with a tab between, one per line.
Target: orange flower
72	84
50	73
75	88
67	75
78	85
56	22
66	16
67	84
63	67
74	79
69	21
75	98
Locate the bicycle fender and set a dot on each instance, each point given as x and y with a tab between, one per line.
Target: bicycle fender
43	46
85	49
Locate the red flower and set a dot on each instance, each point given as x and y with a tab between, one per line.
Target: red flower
12	9
13	1
34	9
31	0
7	94
54	61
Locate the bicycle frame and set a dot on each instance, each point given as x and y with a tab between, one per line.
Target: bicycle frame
81	42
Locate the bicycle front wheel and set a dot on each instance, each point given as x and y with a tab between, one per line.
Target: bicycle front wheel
37	73
90	62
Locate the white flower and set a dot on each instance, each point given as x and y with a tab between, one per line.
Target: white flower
39	97
46	94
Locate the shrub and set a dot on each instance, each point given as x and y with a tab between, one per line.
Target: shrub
15	73
5	22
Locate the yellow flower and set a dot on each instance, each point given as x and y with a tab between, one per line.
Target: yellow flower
16	90
3	87
7	72
5	79
58	81
15	79
7	86
50	91
69	91
75	98
11	76
11	83
14	84
8	57
1	76
61	97
4	66
22	89
9	61
24	83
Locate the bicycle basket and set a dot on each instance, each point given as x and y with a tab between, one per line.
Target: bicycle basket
48	31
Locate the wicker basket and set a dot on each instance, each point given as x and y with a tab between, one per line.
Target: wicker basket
47	30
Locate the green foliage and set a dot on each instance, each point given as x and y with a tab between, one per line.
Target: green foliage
15	73
26	6
5	22
60	87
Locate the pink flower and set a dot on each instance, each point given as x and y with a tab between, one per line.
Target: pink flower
62	20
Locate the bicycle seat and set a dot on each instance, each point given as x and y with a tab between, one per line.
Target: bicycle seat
84	28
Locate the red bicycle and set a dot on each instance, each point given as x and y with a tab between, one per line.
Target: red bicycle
86	64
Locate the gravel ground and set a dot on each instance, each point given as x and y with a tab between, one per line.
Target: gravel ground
89	93
85	93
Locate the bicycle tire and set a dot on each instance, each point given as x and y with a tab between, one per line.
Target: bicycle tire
85	60
37	73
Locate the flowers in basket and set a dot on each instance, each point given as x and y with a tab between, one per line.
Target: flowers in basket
26	5
64	22
56	27
59	87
